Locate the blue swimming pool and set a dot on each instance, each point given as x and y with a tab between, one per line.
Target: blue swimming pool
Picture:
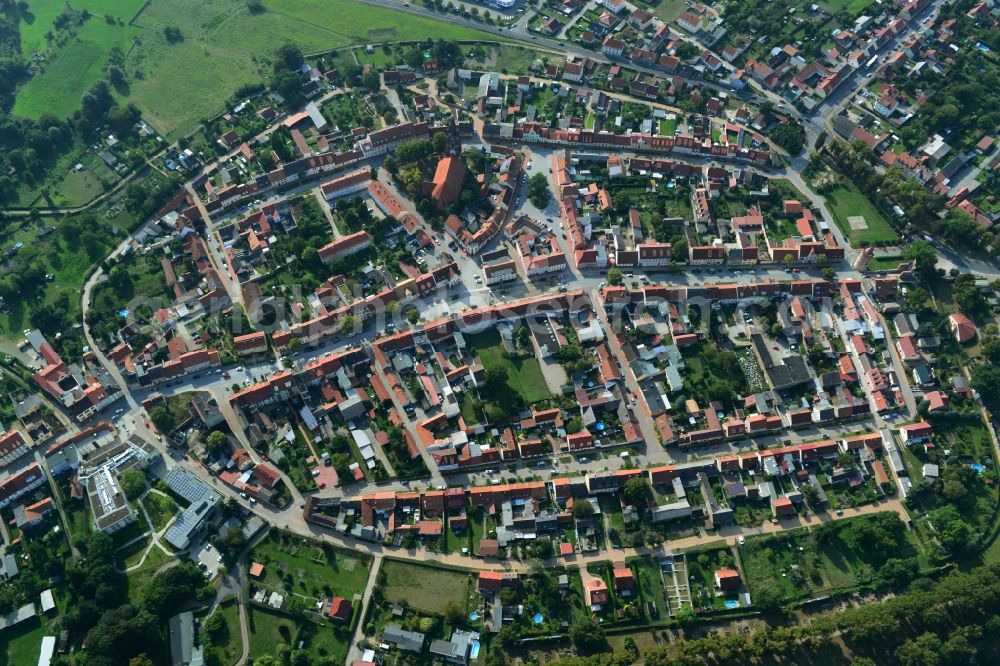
732	603
538	618
979	468
474	615
474	654
600	426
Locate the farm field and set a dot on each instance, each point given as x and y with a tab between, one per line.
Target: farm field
424	588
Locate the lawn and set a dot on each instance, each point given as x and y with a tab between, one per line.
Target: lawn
268	629
76	513
517	60
227	646
885	263
668	10
130	555
160	508
311	565
650	581
524	375
425	588
845	200
23	643
668	126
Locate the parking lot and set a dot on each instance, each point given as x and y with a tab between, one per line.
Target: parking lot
208	558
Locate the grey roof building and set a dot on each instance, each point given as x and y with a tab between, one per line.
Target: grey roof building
183	651
456	650
411	641
202	501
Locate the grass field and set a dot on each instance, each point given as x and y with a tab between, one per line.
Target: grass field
847	201
71	67
668	10
225	47
68	262
524	375
268	629
796	563
310	567
424	588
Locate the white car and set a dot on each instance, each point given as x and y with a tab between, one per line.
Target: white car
741	541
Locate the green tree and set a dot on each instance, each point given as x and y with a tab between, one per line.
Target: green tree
968	297
538	191
215	444
288	56
615	276
924	254
582	509
587	636
413	316
924	650
233	540
810	494
790	135
349	325
636	492
133	483
173	34
440	142
453	613
954	533
215	626
986	381
413	180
